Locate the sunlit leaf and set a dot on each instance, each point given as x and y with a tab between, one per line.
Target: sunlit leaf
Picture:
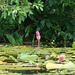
25	57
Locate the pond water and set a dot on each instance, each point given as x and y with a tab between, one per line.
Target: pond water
22	60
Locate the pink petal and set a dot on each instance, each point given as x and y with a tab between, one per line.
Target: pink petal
38	37
37	33
60	59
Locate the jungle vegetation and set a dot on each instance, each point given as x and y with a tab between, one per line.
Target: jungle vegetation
54	19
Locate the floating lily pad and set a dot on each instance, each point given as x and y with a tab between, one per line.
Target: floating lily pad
2	58
29	58
25	57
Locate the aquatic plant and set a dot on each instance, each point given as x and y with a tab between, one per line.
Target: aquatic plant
38	38
60	59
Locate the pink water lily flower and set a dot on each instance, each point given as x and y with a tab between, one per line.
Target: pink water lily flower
60	59
38	38
38	35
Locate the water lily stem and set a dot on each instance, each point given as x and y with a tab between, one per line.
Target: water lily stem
38	44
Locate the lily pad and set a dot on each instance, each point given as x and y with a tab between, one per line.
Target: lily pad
26	57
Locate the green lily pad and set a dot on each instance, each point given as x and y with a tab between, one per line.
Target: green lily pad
69	65
13	58
49	61
2	58
26	57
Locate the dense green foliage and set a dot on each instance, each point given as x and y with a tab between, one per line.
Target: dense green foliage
55	19
73	45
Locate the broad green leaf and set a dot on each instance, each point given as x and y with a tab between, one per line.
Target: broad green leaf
13	58
13	16
2	58
49	61
11	38
12	2
69	65
73	45
4	15
25	57
41	8
48	23
17	1
20	20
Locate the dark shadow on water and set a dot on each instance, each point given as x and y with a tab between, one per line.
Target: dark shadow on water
29	72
